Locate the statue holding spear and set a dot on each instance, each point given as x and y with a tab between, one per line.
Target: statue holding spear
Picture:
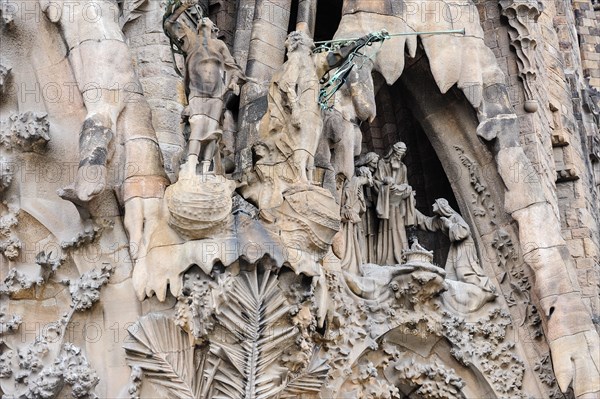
210	72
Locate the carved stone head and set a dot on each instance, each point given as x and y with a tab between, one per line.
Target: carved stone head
298	40
399	149
370	160
207	27
396	154
442	208
260	149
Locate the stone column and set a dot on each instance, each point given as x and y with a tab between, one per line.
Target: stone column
307	16
162	87
243	31
269	31
266	53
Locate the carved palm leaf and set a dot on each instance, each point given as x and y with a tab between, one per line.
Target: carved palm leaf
310	381
165	354
257	333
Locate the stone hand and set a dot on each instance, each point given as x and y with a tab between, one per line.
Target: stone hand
396	189
296	119
141	217
446	221
234	86
89	182
346	213
402	190
576	360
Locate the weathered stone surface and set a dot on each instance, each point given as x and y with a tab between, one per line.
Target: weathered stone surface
302	257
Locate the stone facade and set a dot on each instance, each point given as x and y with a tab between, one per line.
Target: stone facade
380	216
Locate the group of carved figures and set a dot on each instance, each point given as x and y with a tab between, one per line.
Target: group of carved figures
377	208
377	204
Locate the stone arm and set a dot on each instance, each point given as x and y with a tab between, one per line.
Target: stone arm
176	30
144	177
426	223
403	189
346	205
250	187
289	88
233	70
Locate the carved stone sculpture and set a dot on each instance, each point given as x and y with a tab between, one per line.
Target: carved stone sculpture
288	264
395	206
352	207
369	220
463	263
210	73
525	201
293	120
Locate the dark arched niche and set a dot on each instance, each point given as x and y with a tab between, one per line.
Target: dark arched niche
395	122
440	132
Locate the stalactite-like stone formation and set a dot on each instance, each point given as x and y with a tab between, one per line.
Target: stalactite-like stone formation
522	17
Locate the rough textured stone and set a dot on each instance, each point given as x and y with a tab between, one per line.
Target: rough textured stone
303	258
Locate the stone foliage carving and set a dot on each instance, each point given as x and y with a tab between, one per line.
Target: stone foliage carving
6	174
85	291
221	312
398	367
482	197
41	377
484	343
10	243
42	368
433	380
245	354
4	76
27	132
9	323
544	369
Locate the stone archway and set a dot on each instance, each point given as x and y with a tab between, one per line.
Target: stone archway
450	125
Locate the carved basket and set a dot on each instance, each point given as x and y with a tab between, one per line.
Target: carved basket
198	206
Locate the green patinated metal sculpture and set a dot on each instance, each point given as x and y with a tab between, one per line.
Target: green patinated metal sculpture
331	84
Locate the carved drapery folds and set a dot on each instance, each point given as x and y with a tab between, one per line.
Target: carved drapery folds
522	16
